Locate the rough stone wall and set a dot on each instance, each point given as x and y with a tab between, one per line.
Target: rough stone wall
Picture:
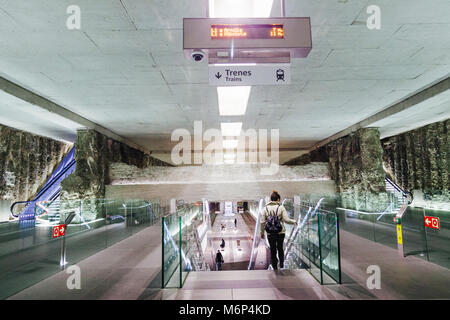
26	162
355	163
94	152
356	166
317	155
420	159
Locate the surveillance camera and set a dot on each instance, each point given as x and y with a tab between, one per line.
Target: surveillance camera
198	56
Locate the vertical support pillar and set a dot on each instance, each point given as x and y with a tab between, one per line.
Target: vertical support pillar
399	219
173	205
162	252
62	262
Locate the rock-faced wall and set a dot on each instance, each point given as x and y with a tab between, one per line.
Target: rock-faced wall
26	162
317	155
419	160
355	163
93	153
356	166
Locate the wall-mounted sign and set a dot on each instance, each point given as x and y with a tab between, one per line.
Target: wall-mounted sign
59	231
249	75
432	222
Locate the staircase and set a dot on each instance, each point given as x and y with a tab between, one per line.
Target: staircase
399	196
54	213
198	259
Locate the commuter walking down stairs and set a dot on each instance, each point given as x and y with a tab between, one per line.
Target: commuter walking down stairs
272	220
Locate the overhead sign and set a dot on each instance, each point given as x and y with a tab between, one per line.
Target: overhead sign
247	31
248	37
59	231
249	75
432	222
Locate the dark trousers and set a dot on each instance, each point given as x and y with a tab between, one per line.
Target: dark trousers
276	244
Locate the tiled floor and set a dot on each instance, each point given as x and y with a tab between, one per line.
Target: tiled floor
130	270
122	271
238	241
264	285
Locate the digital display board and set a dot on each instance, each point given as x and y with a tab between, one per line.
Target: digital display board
247	31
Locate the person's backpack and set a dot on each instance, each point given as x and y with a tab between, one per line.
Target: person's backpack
273	224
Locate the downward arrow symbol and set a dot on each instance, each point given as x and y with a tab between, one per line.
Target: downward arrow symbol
218	75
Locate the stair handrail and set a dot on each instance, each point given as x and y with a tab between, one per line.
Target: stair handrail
200	250
256	237
404	193
300	226
389	209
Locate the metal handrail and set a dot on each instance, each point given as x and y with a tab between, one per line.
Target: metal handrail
256	237
11	209
300	226
404	193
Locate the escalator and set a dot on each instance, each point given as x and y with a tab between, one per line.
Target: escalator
292	244
45	203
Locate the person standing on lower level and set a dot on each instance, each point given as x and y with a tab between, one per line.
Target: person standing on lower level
219	260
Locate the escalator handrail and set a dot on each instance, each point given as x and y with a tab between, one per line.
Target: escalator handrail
46	188
300	226
256	238
52	199
43	190
11	209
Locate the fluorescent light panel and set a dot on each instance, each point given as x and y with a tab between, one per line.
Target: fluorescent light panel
234	64
230	144
231	129
240	8
229	156
233	100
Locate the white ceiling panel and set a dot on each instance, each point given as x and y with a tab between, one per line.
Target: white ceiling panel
125	69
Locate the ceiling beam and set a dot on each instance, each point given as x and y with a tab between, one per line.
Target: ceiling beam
409	101
39	101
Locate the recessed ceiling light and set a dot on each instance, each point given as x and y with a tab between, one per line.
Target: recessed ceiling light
240	8
231	129
233	100
230	144
234	64
229	156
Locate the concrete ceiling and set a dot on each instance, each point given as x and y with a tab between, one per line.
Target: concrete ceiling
125	68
